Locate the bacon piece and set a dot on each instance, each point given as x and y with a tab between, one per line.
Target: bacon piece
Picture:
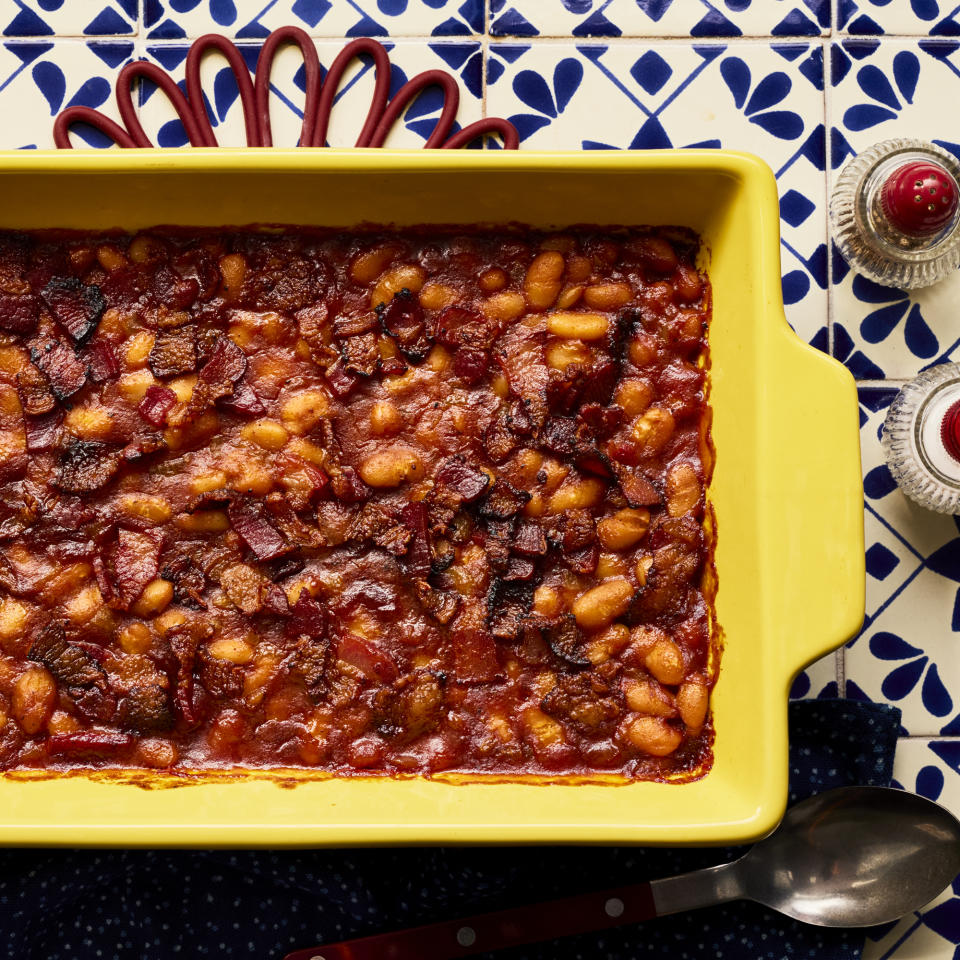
442	605
414	517
374	523
598	421
370	661
503	501
402	318
86	465
529	540
69	664
308	617
171	290
180	567
508	606
56	358
458	326
499	441
474	656
566	641
638	490
76	306
246	517
135	563
460	478
243	400
347	485
225	365
156	404
244	586
341	382
221	679
583	701
579	529
19	312
353	326
410	708
518	568
360	354
94	743
471	365
13	467
594	461
189	699
145	709
103	362
559	436
43	432
33	388
143	447
174	353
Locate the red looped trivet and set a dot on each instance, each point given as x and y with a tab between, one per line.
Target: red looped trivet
254	98
919	198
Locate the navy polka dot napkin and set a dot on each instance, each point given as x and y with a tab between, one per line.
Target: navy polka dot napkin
158	905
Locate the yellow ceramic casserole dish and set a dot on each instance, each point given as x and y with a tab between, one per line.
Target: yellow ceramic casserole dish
786	488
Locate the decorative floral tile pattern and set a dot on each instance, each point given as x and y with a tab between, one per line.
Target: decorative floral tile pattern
659	18
905	17
40	78
883	89
68	18
744	74
766	98
408	57
913	566
254	19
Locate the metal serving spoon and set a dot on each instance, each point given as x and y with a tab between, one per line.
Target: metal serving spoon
851	857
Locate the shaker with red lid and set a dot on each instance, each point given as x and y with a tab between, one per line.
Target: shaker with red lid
895	217
895	213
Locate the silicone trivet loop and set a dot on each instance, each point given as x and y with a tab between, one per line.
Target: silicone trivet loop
919	198
950	430
254	98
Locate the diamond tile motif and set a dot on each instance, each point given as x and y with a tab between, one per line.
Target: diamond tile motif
47	18
659	18
882	89
254	19
765	98
40	78
408	57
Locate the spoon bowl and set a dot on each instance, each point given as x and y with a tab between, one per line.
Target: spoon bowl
854	857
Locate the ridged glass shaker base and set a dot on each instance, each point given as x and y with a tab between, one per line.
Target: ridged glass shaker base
911	439
864	238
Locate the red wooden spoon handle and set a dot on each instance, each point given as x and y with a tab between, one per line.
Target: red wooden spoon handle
494	931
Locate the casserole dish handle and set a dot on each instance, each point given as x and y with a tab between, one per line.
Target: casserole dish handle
814	441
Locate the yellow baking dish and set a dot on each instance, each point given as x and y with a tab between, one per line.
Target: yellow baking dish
786	488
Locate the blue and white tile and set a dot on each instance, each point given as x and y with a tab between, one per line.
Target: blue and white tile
761	97
906	652
40	78
68	18
883	89
659	18
408	57
254	19
903	17
819	681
